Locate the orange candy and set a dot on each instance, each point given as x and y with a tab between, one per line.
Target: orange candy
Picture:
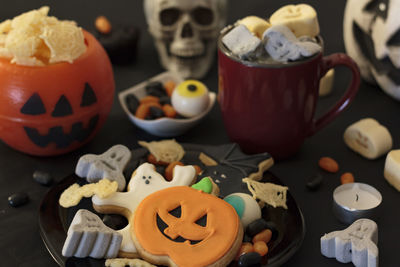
144	109
260	247
328	164
169	87
103	25
169	111
264	236
151	159
347	178
198	169
169	171
245	248
149	99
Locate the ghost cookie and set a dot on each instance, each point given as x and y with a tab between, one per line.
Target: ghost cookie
356	244
144	181
87	236
368	138
182	226
108	165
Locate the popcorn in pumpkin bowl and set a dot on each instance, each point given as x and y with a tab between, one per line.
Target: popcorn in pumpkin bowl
56	81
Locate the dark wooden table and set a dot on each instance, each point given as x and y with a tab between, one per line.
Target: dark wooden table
20	242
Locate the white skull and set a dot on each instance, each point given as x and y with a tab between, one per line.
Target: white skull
185	33
372	39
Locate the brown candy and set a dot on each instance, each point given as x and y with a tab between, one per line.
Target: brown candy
169	171
152	159
328	164
198	169
347	178
103	25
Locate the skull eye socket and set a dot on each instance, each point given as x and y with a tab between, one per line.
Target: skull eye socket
169	16
203	16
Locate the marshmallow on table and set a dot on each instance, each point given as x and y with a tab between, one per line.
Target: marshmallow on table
368	138
241	42
300	19
392	168
87	236
357	244
255	24
326	83
282	45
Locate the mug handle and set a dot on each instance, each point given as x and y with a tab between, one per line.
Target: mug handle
328	63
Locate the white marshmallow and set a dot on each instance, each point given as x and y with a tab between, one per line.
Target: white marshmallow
392	168
368	138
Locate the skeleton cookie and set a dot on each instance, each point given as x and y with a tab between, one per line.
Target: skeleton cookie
356	244
108	165
144	181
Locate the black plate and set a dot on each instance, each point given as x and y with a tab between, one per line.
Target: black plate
54	220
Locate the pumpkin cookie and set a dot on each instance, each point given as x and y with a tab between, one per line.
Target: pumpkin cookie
182	226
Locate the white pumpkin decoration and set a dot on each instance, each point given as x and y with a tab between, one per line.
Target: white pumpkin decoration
372	39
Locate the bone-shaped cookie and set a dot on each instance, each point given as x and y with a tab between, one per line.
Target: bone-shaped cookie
356	244
87	236
108	165
282	45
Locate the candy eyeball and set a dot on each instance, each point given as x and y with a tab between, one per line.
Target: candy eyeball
190	98
246	207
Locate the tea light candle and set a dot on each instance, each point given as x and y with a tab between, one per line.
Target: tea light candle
353	201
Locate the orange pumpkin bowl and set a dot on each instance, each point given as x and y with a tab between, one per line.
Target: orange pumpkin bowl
57	108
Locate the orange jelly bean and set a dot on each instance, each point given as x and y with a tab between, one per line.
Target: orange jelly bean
169	111
264	236
152	159
260	247
169	171
150	99
347	178
144	109
245	248
198	169
169	87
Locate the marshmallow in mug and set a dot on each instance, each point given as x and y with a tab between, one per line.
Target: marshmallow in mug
282	45
368	138
241	42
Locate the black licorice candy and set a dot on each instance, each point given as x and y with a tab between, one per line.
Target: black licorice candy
314	182
43	178
251	259
18	199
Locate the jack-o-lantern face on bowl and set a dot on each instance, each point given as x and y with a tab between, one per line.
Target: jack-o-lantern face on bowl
55	109
186	226
372	39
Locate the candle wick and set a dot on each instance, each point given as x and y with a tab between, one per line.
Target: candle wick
356	197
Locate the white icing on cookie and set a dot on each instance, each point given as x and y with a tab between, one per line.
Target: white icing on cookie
144	181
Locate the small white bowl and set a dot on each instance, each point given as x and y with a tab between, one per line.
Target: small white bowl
163	127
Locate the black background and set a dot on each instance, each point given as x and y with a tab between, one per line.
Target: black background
20	243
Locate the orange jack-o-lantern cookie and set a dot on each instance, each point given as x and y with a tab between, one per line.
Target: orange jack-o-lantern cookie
182	226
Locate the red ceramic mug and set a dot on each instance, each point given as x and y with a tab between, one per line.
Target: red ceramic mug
271	107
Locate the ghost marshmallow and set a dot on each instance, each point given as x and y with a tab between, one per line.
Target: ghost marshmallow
282	45
368	138
190	98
